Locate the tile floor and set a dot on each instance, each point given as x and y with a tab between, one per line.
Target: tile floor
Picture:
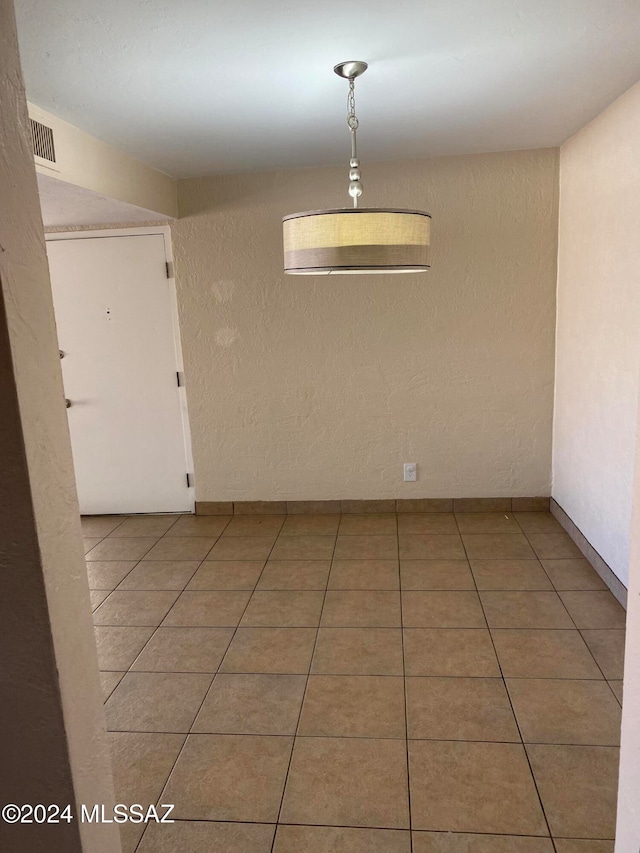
411	683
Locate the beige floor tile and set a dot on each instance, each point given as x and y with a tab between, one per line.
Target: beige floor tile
142	762
184	650
487	522
353	706
305	525
573	574
475	709
121	549
449	842
229	777
181	548
607	647
538	522
366	548
226	574
255	525
450	651
473	787
161	574
295	574
347	782
192	836
594	609
565	711
340	839
119	647
283	608
252	705
364	574
156	701
303	548
271	650
436	574
242	548
575	845
510	574
210	609
553	546
442	609
89	543
544	654
99	526
616	687
497	546
201	525
135	608
578	786
97	596
371	524
427	522
515	609
144	525
358	651
130	835
109	681
434	546
361	609
108	574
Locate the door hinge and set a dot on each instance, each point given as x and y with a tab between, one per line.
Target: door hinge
169	269
189	480
180	378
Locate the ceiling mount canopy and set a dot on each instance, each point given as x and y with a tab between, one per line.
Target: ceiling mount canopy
359	239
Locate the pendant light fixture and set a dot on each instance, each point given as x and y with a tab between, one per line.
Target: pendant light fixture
359	239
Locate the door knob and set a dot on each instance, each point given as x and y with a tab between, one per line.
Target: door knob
68	403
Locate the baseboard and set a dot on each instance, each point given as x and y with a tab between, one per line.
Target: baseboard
607	574
519	504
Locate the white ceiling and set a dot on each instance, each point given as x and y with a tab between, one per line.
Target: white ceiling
64	204
195	87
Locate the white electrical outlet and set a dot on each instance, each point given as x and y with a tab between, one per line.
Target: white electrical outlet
410	472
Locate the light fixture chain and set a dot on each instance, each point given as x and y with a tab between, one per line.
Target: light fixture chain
355	185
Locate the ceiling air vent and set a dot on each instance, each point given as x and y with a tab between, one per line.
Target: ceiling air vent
42	141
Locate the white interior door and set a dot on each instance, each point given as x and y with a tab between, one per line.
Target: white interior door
114	311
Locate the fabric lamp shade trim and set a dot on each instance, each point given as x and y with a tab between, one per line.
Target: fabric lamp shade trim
358	240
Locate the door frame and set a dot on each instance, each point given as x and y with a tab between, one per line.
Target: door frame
163	231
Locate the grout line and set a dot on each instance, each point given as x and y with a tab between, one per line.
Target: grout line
406	708
387	828
205	695
573	621
306	685
346	674
515	718
506	690
364	737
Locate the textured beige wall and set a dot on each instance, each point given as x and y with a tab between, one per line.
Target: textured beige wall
321	387
597	378
53	742
85	161
628	824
